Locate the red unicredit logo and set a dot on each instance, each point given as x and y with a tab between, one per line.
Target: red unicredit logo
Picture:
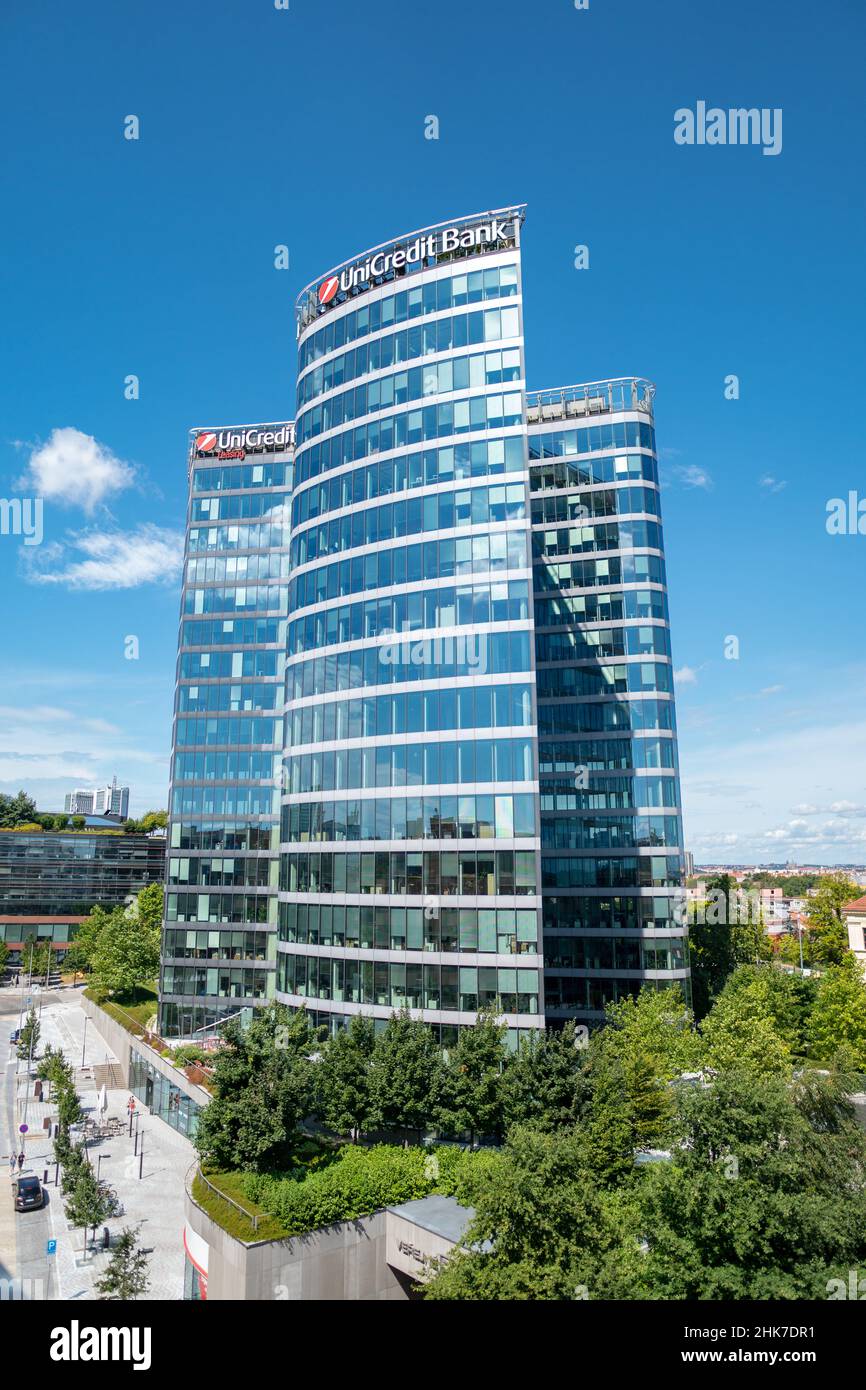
328	289
205	442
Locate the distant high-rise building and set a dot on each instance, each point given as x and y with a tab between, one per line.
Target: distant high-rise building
98	801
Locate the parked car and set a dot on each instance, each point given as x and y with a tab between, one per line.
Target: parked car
13	1037
28	1194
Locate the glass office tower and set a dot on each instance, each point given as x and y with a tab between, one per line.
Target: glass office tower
219	938
611	837
425	673
410	832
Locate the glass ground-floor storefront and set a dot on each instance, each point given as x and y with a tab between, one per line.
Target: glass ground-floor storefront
162	1097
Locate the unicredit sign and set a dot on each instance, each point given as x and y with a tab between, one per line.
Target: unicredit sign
236	443
424	248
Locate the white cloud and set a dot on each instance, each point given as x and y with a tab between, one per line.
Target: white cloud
114	559
772	484
74	469
792	768
49	750
686	675
690	475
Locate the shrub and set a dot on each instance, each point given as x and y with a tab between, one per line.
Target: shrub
361	1181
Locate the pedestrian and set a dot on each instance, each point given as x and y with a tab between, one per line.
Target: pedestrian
12	1165
20	1160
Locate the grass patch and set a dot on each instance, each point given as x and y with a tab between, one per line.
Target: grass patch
226	1216
132	1010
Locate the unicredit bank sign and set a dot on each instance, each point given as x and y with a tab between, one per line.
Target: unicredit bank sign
425	249
236	444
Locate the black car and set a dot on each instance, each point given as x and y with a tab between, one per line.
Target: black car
28	1194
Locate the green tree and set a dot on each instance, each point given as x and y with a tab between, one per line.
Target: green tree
4	956
88	935
828	934
126	952
263	1087
29	1039
125	1277
78	822
763	1197
740	1032
838	1020
406	1073
41	963
88	1204
344	1080
543	1229
631	1065
786	998
17	810
718	944
471	1096
544	1084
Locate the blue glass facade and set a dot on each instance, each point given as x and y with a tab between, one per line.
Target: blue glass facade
219	938
425	729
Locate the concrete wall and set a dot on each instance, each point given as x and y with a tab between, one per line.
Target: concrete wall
123	1044
342	1262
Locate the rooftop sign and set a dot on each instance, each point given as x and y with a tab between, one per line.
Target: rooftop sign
468	237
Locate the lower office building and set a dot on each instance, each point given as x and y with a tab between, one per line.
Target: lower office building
470	772
51	880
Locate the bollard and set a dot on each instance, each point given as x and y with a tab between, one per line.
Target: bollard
106	1238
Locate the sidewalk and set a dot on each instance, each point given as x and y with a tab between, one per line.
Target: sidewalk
154	1199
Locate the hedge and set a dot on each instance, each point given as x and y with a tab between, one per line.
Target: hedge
363	1180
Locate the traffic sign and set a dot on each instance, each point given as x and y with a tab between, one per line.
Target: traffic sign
51	1247
22	1129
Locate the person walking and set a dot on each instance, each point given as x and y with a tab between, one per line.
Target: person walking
12	1161
20	1160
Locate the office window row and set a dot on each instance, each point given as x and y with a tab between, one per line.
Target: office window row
501	931
617	832
493	411
472	707
395	662
438	335
477	458
414	873
620	434
412	765
469	605
437	511
228	477
434	296
398	986
566	609
558	681
649	871
629	568
474	817
419	563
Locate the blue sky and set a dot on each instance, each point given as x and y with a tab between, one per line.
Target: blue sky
306	127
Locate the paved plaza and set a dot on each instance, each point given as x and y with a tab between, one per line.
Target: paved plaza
149	1186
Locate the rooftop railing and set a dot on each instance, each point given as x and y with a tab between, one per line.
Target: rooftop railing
590	398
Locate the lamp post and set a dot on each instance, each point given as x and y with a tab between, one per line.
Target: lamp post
83	1041
99	1164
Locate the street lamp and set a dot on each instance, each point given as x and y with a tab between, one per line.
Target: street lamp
99	1164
